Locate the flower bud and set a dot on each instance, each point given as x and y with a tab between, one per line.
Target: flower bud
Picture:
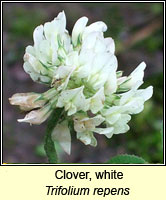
27	101
37	116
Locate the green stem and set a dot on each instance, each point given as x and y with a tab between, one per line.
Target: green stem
48	143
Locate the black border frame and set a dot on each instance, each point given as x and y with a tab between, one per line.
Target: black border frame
81	164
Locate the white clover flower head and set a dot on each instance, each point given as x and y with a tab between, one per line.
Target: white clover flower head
81	71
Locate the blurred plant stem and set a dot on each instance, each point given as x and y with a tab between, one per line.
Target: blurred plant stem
139	35
48	142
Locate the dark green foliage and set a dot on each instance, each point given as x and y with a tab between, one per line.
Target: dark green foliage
23	25
126	159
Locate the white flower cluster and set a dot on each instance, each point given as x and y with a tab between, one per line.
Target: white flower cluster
82	73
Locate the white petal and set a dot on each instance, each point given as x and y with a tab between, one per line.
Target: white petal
79	126
29	49
99	47
37	116
85	57
44	52
87	138
82	122
95	27
63	71
83	71
108	132
97	120
35	75
125	97
111	110
121	80
55	27
145	93
139	71
89	41
111	83
61	21
121	126
84	64
66	79
72	109
113	118
45	79
70	94
74	98
38	35
61	133
134	106
104	64
99	62
80	101
78	29
110	45
136	75
37	66
72	59
48	30
97	101
66	42
94	41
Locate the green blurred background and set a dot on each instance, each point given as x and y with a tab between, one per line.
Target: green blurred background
137	29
